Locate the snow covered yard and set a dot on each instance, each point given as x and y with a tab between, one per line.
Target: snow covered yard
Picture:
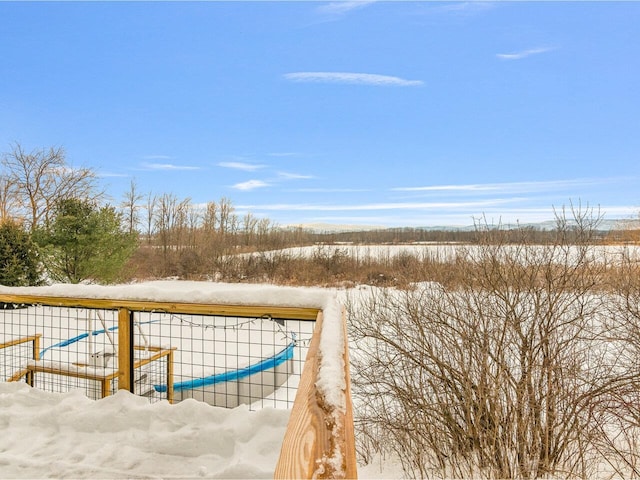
176	434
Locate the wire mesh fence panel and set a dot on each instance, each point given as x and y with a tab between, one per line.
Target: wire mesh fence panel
78	349
60	382
228	361
222	360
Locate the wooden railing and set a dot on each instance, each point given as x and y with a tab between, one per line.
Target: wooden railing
319	441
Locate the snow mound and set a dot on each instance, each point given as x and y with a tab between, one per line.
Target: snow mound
52	435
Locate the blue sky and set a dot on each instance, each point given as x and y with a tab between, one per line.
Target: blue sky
359	113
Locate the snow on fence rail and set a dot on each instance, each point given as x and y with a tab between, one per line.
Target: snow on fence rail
168	340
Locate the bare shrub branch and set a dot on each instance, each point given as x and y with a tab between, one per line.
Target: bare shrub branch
497	377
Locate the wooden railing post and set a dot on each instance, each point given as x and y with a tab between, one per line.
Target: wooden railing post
36	346
36	356
125	349
314	434
351	467
170	376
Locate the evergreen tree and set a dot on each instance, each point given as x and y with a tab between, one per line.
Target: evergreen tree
19	264
86	242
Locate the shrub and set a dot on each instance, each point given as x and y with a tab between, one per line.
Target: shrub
85	242
499	376
19	264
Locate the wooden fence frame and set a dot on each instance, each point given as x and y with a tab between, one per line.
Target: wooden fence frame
35	339
316	431
106	379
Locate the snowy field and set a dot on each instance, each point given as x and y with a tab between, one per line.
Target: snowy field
67	435
443	252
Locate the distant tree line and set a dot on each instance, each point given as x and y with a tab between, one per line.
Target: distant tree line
56	218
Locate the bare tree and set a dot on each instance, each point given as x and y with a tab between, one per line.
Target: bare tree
41	178
150	209
263	229
171	223
7	198
249	226
181	223
227	220
194	220
618	412
210	220
131	205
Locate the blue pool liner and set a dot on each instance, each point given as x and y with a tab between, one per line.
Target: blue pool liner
233	375
229	376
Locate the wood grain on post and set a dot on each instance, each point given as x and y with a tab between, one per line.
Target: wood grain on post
315	432
125	382
349	432
170	376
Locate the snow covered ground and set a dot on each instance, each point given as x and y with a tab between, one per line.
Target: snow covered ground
53	435
69	436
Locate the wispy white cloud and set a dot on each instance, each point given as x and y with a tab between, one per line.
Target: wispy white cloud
523	53
251	185
112	175
167	166
343	7
352	79
330	190
457	217
247	167
157	157
509	187
382	206
293	176
465	7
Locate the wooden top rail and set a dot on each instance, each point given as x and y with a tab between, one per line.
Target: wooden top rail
18	341
35	339
252	311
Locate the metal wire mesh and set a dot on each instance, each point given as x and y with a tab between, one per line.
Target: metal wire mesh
227	361
222	360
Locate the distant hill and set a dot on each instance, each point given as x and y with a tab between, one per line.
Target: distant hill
605	225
